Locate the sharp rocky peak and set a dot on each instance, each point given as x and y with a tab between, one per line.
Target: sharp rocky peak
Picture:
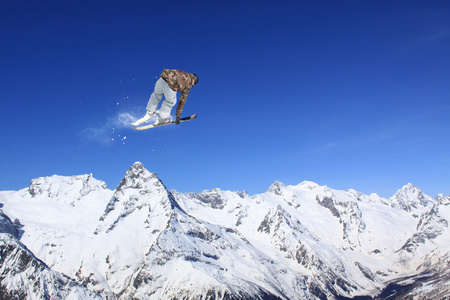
139	190
276	188
444	200
410	197
136	177
143	184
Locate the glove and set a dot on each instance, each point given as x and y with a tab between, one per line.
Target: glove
177	121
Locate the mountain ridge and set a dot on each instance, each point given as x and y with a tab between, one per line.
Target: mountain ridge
291	242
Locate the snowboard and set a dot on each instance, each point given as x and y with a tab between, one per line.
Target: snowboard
171	122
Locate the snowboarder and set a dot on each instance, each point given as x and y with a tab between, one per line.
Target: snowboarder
169	83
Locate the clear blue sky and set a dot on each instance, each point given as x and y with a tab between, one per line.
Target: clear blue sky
349	94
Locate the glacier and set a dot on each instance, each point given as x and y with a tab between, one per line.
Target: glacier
74	238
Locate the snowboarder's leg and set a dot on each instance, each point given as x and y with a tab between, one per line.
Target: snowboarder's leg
169	101
156	96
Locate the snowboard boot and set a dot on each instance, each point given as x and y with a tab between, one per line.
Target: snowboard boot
161	121
145	118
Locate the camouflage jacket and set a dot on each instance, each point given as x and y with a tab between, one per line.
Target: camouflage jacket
179	81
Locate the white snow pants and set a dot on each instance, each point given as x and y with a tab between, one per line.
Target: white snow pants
162	89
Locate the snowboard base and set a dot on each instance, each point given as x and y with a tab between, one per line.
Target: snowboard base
185	119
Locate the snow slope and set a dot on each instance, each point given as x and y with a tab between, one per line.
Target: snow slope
23	276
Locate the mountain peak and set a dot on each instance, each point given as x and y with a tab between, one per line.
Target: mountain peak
137	165
138	169
410	197
308	185
139	193
408	190
57	186
276	187
444	200
410	187
136	176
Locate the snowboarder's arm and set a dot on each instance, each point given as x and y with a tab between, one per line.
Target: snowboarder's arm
183	97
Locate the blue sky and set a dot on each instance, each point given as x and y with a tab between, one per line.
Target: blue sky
349	94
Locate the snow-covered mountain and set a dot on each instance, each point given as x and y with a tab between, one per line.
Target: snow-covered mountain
23	276
142	241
